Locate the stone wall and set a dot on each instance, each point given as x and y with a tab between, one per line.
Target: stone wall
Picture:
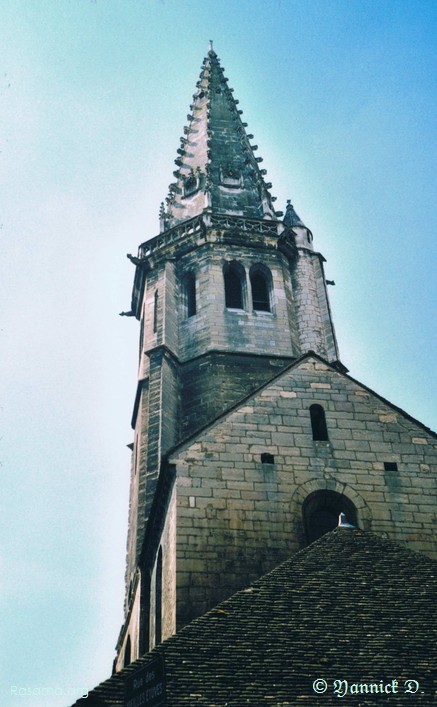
237	517
212	383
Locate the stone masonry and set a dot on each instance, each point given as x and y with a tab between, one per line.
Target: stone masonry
237	517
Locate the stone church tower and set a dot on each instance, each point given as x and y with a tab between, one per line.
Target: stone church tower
249	436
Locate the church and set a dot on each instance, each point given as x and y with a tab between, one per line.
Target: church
250	435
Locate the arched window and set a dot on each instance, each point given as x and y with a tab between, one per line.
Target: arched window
158	599
321	510
127	653
189	295
235	284
260	282
318	423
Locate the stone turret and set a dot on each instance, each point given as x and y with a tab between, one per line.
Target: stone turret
313	313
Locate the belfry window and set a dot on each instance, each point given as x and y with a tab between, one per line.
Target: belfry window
260	285
318	423
321	510
235	281
189	295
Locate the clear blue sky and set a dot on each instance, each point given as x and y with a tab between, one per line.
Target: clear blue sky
94	94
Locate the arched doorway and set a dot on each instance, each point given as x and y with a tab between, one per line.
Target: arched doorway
321	510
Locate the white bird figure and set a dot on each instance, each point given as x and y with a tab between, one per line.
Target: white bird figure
342	521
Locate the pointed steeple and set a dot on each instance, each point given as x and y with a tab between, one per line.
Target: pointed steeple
217	170
291	218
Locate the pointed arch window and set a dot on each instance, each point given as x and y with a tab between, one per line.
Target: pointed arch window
235	285
318	423
189	295
321	510
260	283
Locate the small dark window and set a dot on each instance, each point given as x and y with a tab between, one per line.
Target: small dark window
233	277
318	423
260	291
189	294
267	458
155	313
390	466
158	599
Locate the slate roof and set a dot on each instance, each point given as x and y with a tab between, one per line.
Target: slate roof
351	606
291	218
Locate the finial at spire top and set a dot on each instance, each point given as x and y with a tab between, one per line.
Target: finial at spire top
211	48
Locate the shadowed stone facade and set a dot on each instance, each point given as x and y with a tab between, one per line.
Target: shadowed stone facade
249	436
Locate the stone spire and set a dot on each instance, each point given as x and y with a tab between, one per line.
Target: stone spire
291	218
217	170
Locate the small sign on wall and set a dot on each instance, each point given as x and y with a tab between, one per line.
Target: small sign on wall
146	686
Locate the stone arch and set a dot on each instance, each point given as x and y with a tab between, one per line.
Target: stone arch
302	492
321	511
